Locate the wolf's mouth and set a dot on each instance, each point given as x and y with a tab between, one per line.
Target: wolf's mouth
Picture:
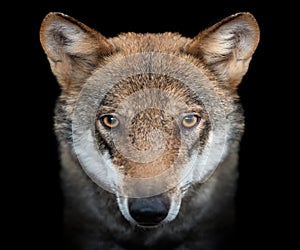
148	226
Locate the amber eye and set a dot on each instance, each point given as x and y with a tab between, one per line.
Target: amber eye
190	121
109	121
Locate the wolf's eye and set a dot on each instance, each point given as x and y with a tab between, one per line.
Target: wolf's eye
190	121
109	121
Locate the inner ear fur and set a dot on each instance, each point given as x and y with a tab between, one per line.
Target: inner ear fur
227	47
73	49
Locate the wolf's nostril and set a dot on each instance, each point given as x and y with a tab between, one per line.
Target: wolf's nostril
148	211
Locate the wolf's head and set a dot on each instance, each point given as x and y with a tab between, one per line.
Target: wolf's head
148	115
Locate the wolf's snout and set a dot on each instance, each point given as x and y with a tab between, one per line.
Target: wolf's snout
149	211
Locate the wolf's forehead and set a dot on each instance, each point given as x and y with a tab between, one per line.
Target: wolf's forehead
135	43
145	91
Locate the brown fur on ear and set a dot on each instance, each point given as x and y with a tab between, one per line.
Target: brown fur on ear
227	46
72	48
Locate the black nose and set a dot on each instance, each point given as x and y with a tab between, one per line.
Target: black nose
149	211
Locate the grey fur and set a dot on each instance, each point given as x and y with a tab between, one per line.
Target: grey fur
206	219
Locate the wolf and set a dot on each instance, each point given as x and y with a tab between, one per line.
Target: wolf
148	128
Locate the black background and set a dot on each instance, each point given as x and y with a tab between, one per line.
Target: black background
34	197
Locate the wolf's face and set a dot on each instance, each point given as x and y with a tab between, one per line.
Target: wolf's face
149	114
149	126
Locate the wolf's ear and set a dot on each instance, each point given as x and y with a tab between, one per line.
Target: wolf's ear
72	48
227	46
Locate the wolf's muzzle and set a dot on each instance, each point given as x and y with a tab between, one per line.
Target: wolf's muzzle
149	211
